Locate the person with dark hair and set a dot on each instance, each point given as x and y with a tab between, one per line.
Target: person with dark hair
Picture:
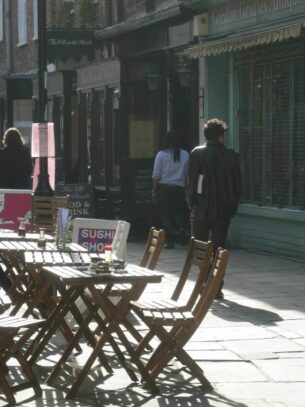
168	186
213	186
15	161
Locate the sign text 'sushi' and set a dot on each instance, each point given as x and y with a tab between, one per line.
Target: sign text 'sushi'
95	240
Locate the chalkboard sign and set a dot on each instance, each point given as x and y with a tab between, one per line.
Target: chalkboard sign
142	172
81	199
142	187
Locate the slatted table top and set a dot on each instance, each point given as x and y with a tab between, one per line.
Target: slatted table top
25	245
84	276
11	235
59	258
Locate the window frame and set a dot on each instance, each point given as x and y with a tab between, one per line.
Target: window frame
22	23
35	20
1	20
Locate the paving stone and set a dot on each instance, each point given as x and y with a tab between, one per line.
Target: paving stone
223	355
240	332
195	345
291	355
286	394
221	371
284	370
272	345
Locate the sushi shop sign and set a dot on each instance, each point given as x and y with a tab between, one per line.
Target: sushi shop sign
95	240
94	234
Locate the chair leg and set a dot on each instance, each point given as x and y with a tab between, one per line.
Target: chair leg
194	368
7	390
33	382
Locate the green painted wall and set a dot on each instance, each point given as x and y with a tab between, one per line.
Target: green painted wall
281	233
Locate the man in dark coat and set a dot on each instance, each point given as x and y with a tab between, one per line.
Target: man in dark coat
214	186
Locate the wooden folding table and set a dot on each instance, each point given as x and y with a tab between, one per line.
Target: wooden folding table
72	284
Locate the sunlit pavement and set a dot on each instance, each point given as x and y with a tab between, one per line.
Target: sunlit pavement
251	345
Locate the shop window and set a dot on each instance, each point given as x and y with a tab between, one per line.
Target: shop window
143	121
271	132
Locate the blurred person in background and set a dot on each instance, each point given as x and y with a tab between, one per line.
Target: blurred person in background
168	187
15	161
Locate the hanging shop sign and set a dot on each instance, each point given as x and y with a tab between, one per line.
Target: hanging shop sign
243	14
74	44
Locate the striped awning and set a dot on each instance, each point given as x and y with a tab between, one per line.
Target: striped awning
247	41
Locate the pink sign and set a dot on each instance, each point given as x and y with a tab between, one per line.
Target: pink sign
43	140
14	204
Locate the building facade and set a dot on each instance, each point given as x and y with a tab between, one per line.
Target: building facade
252	62
117	80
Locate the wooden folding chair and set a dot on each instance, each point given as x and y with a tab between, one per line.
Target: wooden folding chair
175	327
199	255
153	248
44	211
10	347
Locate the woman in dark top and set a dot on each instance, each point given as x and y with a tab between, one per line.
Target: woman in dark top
15	161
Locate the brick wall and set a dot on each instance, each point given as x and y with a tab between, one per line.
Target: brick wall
25	56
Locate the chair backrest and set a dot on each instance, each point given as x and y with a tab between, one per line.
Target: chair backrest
153	248
44	211
199	254
93	234
209	291
119	250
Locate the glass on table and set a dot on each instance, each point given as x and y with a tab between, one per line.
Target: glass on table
42	241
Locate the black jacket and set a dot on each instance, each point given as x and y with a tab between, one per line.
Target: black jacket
15	167
221	184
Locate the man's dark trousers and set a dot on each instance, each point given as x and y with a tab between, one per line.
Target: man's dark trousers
219	228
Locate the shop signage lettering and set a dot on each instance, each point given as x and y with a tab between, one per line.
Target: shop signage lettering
81	199
243	11
63	44
75	43
95	240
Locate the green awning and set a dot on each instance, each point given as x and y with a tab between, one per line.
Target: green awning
244	42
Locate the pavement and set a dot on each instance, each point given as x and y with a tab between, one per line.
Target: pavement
251	344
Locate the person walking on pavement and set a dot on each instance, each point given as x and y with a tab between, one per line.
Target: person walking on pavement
213	186
168	186
15	161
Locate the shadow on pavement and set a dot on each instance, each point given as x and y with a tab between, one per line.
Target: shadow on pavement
177	395
227	309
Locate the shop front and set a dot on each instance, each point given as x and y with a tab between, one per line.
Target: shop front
102	143
254	79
